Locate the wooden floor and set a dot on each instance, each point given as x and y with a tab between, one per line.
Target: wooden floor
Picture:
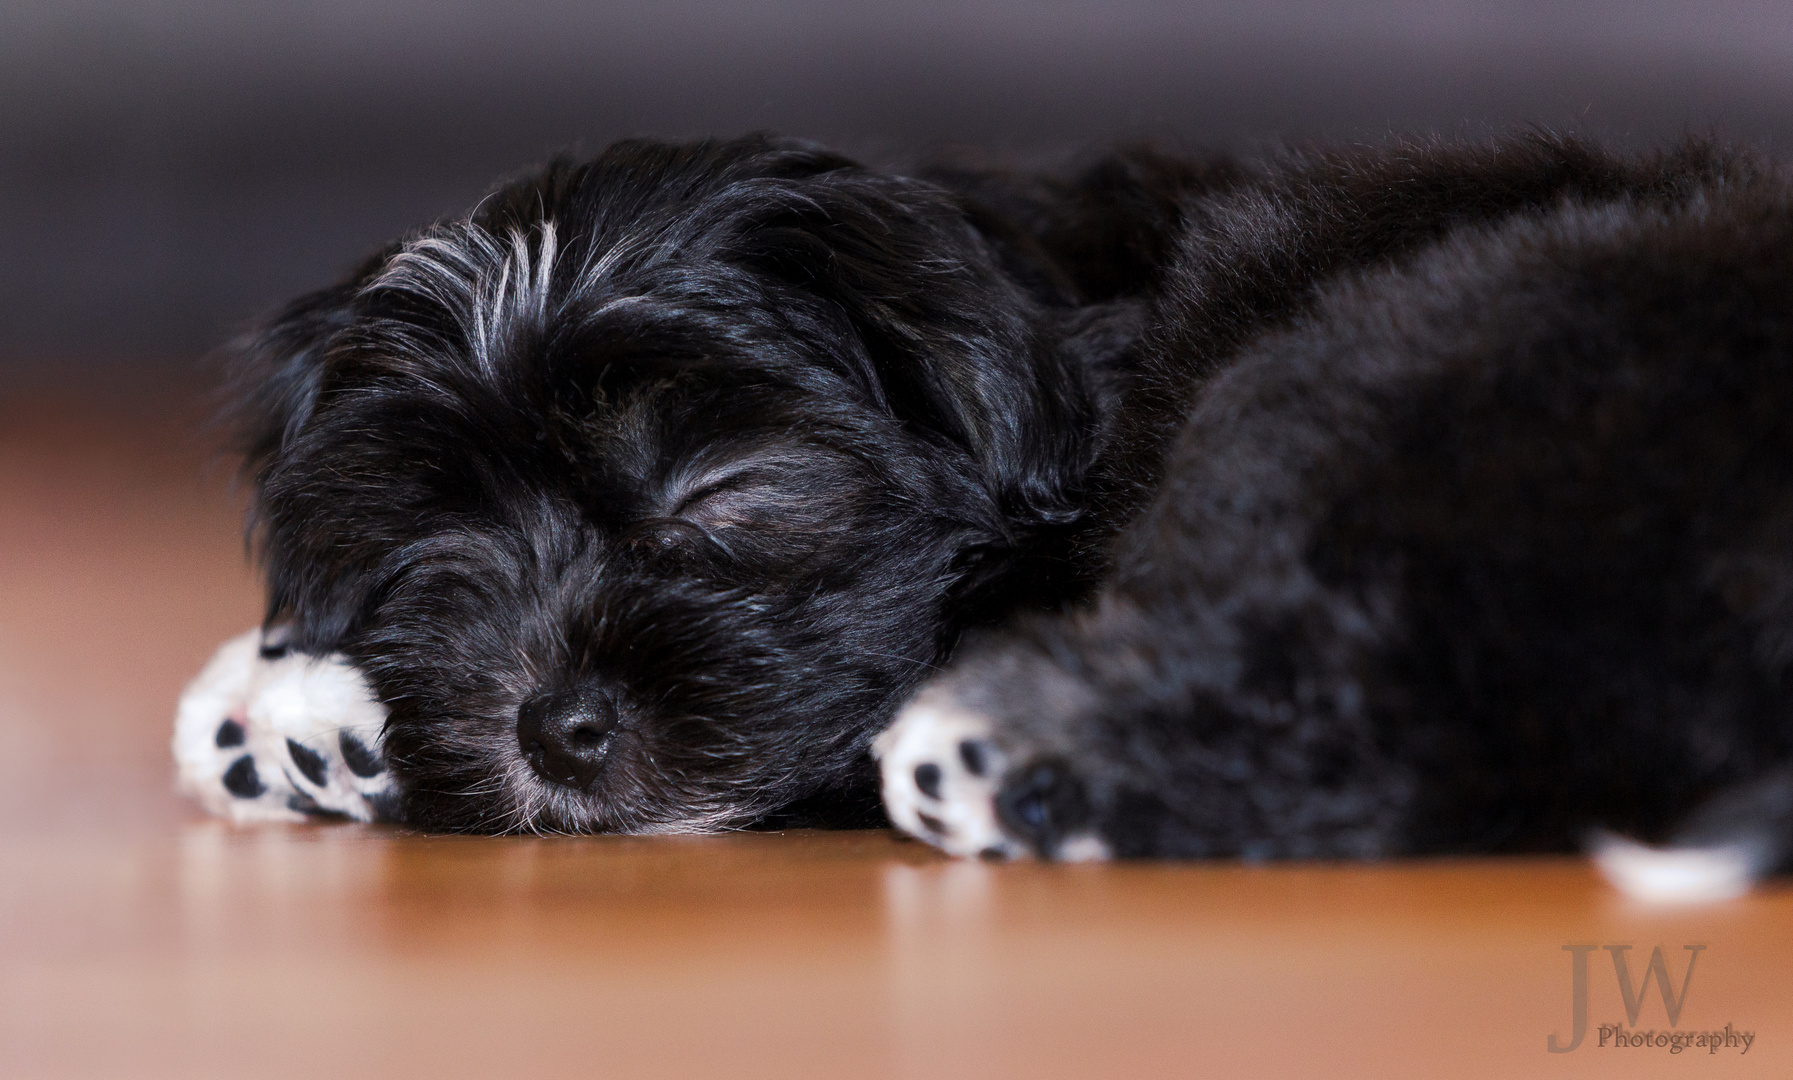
139	939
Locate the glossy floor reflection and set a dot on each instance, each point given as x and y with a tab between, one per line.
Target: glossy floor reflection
138	939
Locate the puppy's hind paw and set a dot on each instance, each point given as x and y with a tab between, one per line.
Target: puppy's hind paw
267	734
940	778
947	782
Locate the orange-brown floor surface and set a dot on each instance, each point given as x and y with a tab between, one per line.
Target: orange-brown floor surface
140	939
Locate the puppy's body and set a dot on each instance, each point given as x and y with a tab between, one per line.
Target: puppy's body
643	496
1476	531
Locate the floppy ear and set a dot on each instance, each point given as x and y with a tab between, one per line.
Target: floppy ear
273	375
953	340
1099	340
274	372
1072	421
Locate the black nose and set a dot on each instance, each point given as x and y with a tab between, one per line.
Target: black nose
566	735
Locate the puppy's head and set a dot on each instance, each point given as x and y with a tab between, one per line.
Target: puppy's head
643	494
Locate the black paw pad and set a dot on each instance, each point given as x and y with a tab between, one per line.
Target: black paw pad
309	761
360	760
976	756
927	778
1042	803
230	733
242	780
933	824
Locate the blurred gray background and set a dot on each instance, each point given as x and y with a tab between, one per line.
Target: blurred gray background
169	170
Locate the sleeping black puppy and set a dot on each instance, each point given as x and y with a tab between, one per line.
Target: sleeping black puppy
639	498
1435	508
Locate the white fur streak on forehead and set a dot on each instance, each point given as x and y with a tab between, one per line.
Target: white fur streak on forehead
486	282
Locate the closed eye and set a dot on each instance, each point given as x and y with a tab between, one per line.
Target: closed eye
703	494
769	494
731	501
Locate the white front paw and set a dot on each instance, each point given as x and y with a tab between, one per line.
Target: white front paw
267	734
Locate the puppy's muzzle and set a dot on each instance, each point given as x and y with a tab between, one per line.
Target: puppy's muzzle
565	736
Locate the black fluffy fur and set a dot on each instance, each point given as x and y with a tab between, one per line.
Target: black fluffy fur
1436	497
